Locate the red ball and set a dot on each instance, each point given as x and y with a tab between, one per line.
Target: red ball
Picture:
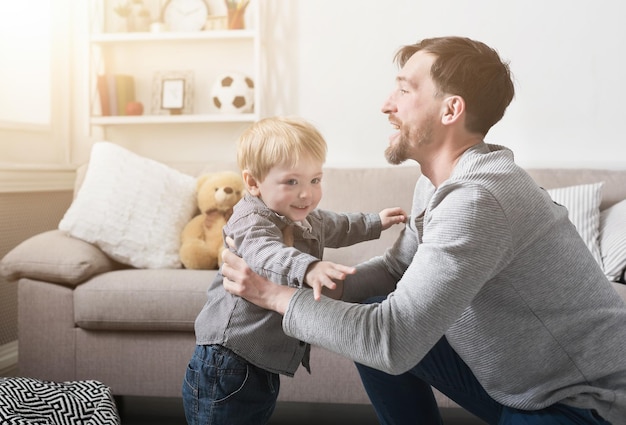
134	108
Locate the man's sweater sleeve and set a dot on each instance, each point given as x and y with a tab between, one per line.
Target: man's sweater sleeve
454	260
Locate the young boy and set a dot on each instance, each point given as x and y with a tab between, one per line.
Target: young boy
233	376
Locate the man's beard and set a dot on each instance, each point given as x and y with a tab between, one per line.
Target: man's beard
400	152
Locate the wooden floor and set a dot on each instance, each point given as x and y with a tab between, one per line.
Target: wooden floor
169	411
144	411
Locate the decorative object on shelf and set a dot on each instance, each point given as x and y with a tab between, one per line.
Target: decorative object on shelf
139	20
172	92
122	11
134	108
185	15
116	91
135	14
216	23
233	93
158	27
236	11
173	95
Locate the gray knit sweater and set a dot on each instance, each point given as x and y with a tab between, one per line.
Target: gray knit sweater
489	261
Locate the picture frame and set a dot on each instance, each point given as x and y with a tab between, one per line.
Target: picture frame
172	93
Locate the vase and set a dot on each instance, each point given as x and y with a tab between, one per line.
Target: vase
236	11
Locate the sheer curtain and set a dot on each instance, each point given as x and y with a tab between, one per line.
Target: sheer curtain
36	56
25	70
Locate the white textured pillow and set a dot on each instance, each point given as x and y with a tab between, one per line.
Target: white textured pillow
583	207
613	240
131	207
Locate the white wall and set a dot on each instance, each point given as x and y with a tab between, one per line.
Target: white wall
566	57
332	62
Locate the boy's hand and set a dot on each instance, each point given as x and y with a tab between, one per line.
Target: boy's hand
391	216
324	273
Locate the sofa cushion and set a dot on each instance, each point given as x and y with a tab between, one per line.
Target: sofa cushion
54	256
133	208
366	190
150	300
583	207
613	240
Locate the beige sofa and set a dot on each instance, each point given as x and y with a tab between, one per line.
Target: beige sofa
84	316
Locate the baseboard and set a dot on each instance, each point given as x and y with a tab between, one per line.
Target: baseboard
8	357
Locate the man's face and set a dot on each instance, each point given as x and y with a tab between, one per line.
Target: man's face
413	109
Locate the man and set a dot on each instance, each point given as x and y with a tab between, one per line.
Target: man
491	295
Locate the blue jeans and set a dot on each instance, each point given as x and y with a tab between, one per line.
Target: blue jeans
409	399
222	388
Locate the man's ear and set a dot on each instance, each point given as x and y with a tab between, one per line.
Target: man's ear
454	108
252	185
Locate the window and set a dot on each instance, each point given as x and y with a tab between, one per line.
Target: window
25	74
34	82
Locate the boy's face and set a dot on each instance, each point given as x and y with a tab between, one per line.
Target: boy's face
291	191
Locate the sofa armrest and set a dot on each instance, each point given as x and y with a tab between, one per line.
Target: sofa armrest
54	256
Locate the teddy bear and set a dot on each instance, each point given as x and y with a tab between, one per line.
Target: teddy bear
202	240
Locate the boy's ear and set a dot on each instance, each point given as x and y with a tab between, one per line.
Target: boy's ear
252	185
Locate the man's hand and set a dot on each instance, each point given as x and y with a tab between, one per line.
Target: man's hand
324	274
391	216
240	280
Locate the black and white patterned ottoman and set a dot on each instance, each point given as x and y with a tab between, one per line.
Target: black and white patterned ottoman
26	401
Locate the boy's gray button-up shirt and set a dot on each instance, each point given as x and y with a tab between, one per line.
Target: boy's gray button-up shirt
250	331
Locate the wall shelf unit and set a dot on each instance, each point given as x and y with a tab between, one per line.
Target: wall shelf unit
173	119
131	37
203	56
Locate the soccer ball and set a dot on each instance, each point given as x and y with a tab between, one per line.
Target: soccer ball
233	93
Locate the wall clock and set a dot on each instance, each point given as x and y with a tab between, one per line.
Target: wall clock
185	15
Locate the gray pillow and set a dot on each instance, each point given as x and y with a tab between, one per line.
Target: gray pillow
54	256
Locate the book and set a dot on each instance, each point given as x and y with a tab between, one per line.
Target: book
111	86
115	92
125	92
103	94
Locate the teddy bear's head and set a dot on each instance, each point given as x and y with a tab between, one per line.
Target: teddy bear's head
219	191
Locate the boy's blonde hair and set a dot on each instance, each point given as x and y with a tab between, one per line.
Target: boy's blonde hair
278	141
